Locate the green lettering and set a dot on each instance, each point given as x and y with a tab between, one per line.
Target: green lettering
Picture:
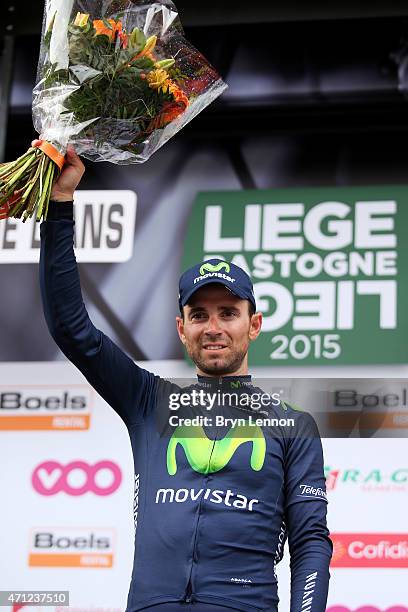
351	475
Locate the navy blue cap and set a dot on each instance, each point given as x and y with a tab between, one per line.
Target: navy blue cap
215	271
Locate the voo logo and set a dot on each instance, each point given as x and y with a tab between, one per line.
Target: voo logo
76	478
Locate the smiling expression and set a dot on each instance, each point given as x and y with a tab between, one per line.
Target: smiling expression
217	329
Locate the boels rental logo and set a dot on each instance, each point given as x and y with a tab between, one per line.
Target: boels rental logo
45	407
71	547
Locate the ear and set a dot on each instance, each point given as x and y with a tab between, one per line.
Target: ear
255	325
180	329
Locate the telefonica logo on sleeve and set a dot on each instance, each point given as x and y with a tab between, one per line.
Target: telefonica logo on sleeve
370	550
104	230
71	547
43	407
309	492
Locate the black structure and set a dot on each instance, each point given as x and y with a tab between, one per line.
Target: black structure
321	80
322	68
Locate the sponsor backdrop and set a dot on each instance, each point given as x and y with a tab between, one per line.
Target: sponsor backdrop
327	266
69	496
328	263
104	230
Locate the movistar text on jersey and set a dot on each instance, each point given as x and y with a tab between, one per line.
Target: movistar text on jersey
220	421
216	496
207	399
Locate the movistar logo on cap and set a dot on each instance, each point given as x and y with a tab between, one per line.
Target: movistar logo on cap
208	456
207	267
208	270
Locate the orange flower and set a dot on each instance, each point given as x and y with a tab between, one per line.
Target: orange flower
101	28
179	95
147	49
124	38
169	112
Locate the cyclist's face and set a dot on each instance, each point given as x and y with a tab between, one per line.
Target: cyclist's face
217	330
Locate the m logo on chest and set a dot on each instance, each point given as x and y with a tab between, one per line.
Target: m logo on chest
207	456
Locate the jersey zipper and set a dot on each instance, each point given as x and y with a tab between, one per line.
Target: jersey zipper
188	596
189	591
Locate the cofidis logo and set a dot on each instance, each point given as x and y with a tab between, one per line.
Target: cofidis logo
370	550
45	407
71	547
76	478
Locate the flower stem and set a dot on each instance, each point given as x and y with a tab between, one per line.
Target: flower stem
20	172
45	195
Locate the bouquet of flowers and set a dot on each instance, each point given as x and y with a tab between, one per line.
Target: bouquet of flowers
117	79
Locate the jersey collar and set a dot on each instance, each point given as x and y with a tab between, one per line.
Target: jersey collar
225	382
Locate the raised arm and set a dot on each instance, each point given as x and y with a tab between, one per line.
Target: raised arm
309	543
125	386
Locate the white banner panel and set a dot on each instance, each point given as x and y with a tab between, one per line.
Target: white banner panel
66	518
104	230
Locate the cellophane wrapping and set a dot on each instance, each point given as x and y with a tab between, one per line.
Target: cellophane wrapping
117	78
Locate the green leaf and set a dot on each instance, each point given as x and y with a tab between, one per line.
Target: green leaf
102	40
166	63
47	37
73	29
107	24
137	39
143	62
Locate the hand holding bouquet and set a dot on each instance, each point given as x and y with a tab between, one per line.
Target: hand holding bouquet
117	79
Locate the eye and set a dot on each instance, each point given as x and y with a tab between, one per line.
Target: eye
197	316
230	313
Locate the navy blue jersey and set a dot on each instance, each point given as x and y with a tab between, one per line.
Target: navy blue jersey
214	501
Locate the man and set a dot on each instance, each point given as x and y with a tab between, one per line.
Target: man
215	499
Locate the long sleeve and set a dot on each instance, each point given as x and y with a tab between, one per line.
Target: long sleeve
124	385
306	503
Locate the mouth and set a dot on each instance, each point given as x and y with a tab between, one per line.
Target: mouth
214	347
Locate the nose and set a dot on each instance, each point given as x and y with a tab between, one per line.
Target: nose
213	326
